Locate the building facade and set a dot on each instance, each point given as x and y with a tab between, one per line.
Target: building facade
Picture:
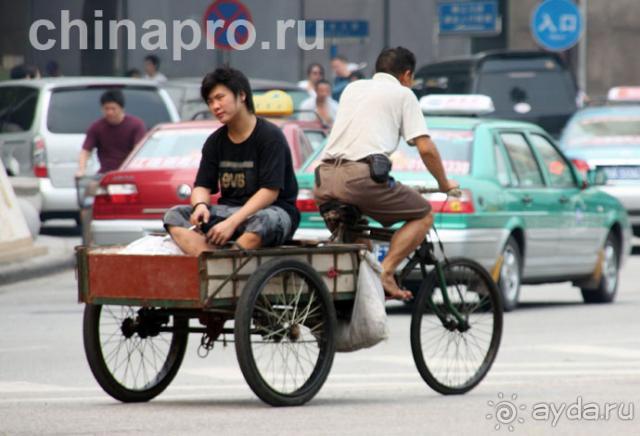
611	34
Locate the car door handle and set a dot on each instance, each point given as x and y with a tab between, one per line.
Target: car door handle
563	200
527	200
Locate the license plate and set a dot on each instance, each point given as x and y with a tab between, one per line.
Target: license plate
380	251
622	172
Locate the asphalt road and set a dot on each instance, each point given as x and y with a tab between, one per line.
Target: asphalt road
561	362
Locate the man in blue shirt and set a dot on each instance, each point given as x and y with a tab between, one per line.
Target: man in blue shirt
341	72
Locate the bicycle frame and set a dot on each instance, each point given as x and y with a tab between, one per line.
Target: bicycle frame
424	256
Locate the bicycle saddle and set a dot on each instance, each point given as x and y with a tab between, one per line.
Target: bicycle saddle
335	213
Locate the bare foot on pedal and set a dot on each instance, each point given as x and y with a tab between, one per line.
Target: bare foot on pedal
391	289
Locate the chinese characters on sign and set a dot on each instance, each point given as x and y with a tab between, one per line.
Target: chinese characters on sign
556	24
468	16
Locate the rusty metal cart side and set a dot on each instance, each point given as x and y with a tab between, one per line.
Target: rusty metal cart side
282	302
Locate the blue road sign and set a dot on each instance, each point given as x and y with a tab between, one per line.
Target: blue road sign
455	16
556	24
334	29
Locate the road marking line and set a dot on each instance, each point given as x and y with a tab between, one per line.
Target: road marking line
611	352
231	377
241	391
29	348
352	381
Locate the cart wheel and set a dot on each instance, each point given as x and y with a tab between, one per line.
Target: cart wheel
133	352
284	332
454	357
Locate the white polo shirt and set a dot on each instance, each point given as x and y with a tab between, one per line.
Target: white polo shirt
372	116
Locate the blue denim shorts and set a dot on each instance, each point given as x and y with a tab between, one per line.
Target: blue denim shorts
272	224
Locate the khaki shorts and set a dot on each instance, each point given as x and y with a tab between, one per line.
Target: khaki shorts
350	182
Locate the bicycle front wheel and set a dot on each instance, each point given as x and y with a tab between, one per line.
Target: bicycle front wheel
453	354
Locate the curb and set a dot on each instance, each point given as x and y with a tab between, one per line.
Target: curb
16	272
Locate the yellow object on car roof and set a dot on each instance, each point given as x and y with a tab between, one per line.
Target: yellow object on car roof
274	103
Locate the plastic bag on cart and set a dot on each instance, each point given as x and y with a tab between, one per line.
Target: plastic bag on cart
153	244
368	323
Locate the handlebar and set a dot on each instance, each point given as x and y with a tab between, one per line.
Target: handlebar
456	192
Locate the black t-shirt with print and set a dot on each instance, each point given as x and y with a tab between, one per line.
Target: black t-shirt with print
263	160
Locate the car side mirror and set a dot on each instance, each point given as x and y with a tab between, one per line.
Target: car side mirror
596	177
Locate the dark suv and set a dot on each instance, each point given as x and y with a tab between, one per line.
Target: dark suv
524	85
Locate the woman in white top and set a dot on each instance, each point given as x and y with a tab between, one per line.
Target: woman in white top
321	106
315	72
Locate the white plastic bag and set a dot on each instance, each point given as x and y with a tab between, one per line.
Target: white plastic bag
368	324
153	244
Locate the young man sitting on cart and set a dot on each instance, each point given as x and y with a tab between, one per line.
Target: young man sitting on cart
249	159
373	115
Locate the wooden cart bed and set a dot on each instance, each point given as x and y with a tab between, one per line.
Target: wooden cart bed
213	279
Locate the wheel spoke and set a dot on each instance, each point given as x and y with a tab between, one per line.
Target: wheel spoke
135	364
287	336
453	357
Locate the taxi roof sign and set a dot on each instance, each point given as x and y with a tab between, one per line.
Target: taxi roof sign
456	104
274	103
624	93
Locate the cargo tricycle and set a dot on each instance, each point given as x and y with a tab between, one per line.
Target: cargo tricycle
280	306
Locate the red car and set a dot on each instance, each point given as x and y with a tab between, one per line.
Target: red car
159	173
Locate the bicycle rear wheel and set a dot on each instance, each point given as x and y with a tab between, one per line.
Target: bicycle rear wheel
133	352
284	330
451	356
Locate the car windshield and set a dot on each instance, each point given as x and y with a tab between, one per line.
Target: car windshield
17	108
317	138
545	92
454	146
73	110
602	129
175	148
541	83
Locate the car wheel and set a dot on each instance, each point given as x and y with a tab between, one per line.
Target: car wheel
510	274
610	266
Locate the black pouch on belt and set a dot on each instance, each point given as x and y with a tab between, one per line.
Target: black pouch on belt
379	167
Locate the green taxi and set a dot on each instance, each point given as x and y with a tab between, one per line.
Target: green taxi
526	213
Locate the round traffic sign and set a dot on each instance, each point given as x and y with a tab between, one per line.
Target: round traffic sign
556	24
226	12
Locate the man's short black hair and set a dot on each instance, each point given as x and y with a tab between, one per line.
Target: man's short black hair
313	65
155	60
340	58
112	96
395	61
18	72
133	72
52	68
231	78
23	71
322	82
